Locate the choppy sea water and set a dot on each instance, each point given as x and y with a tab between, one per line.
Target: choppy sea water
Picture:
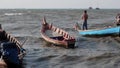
91	52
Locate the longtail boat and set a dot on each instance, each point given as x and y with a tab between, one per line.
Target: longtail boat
109	31
11	51
56	36
101	32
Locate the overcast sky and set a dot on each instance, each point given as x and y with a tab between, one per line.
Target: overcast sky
59	3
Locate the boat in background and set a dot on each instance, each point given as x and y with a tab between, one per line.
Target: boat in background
101	32
56	36
11	51
90	8
97	8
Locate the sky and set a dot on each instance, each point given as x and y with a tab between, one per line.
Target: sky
75	4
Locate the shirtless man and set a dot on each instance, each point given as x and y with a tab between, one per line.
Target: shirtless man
84	18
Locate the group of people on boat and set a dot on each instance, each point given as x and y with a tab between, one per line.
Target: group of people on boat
84	18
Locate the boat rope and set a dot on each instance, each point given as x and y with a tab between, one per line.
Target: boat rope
24	41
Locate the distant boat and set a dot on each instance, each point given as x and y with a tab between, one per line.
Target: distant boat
90	8
97	8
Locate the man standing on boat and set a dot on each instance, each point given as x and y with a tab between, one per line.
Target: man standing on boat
84	18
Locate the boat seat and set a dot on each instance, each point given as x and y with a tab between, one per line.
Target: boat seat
58	37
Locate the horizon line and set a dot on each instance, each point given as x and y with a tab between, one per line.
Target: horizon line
59	8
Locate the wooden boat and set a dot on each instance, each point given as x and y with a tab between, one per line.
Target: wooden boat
101	32
11	51
62	38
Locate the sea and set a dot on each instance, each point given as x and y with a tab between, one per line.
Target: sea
90	52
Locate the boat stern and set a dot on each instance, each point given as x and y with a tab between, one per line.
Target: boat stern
71	44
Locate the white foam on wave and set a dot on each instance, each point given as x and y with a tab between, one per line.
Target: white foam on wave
11	14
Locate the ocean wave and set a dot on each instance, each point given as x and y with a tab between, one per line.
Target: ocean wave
12	14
